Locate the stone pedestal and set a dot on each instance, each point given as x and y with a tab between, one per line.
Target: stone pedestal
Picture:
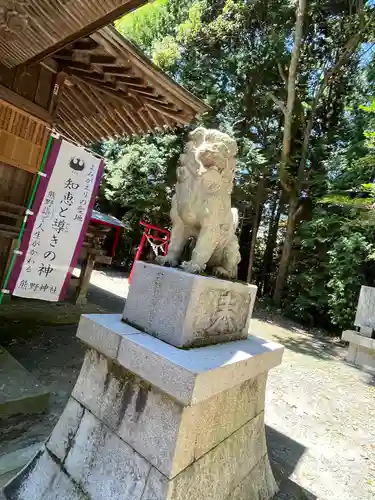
188	310
149	421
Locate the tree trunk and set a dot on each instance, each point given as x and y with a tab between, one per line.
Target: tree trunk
255	226
265	280
291	89
285	157
244	241
287	250
293	187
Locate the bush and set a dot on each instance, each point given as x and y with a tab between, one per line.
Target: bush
332	259
347	269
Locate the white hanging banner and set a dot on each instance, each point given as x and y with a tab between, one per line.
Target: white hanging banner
55	233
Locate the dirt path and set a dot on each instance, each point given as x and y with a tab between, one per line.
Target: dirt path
326	409
320	412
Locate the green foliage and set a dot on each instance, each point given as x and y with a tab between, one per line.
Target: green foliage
370	133
307	284
334	257
160	26
192	25
368	187
141	25
342	200
138	179
166	52
137	184
347	260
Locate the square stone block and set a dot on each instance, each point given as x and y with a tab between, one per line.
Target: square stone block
352	353
63	434
105	334
188	310
219	472
193	375
358	339
43	479
155	425
100	466
258	485
170	436
187	375
365	358
158	422
103	465
361	350
222	415
365	331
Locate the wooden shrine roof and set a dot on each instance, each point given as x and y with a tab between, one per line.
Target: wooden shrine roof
112	89
32	29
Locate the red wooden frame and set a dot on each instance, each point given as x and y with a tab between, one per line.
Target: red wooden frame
147	235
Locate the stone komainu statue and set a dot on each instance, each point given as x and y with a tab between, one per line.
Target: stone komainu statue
201	206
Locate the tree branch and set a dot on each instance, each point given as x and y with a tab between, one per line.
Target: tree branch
291	95
297	213
292	76
282	74
277	101
350	48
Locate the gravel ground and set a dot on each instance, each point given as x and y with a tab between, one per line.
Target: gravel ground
320	412
326	409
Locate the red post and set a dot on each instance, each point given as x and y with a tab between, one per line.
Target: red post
138	254
116	240
147	234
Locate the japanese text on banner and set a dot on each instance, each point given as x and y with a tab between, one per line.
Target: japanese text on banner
59	224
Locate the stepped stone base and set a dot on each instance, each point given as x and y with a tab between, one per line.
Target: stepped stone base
20	392
361	349
148	421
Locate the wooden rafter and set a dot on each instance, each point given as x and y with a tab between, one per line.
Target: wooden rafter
111	90
122	97
70	111
84	45
47	27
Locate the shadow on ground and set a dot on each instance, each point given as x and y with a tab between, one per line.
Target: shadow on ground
311	342
310	346
272	316
371	380
367	376
284	454
102	298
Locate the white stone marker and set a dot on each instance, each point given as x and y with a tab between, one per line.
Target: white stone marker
361	350
365	315
187	309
